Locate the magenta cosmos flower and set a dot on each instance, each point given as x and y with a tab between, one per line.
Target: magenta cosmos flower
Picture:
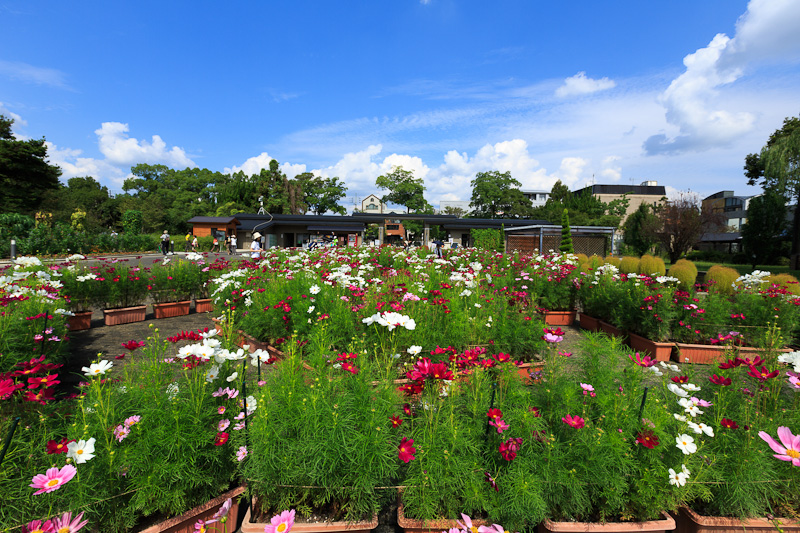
574	421
281	523
52	479
790	451
66	524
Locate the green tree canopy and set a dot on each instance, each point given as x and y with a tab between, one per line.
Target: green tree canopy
640	229
404	189
321	195
496	195
765	229
584	209
25	174
777	168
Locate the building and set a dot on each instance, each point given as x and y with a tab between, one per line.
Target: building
733	207
372	204
537	198
648	192
453	204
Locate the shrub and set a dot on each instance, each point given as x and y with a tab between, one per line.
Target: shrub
721	279
651	266
686	272
788	281
596	261
629	265
582	258
612	260
488	239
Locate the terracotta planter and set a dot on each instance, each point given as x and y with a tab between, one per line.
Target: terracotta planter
589	323
253	343
218	325
171	309
611	331
666	523
690	522
525	369
707	354
124	315
81	321
412	525
559	318
310	527
275	353
185	522
661	351
203	305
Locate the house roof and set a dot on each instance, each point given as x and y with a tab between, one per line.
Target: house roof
212	220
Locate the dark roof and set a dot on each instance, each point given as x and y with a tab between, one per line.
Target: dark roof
212	220
250	221
340	228
654	190
721	237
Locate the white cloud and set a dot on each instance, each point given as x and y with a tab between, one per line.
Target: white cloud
73	165
119	149
766	33
611	169
16	70
18	121
580	84
254	165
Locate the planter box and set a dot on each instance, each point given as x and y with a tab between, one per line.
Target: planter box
661	351
255	344
589	323
690	522
525	369
310	527
559	318
611	331
80	322
185	522
204	305
124	315
412	525
707	354
171	309
667	523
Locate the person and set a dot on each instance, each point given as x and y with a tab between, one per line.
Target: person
233	244
214	243
188	242
255	248
195	244
227	244
165	242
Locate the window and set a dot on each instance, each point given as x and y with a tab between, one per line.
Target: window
372	207
392	226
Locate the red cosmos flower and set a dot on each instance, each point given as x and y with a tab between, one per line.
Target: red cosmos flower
728	423
647	438
680	379
396	421
132	345
755	362
763	374
406	450
502	357
353	369
221	438
7	388
730	363
491	481
718	380
410	389
346	356
574	421
509	448
46	381
495	414
535	411
58	447
41	396
407	409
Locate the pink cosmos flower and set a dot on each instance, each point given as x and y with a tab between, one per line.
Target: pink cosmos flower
574	421
223	424
500	424
646	362
52	479
222	512
701	403
221	410
36	526
131	420
790	451
66	524
241	453
281	523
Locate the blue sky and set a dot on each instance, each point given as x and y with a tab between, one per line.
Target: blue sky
616	92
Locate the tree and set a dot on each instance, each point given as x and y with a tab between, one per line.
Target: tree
496	195
777	167
453	210
25	174
765	229
584	209
566	235
321	195
682	223
640	229
404	189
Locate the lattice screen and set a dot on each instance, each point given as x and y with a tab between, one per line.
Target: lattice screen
586	244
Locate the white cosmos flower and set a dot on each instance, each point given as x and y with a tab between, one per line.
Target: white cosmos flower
667	366
655	371
97	369
675	389
259	356
81	451
691	387
211	343
685	470
251	404
693	410
186	351
232	377
701	428
678	417
311	309
314	289
212	374
414	350
685	443
172	390
677	478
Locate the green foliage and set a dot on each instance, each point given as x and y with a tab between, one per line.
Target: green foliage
651	266
639	229
13	226
629	265
686	273
132	222
720	279
488	239
566	235
584	208
404	189
321	195
25	175
765	228
496	195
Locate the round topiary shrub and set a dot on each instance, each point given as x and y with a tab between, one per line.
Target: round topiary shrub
651	266
686	273
611	260
629	265
595	261
720	279
582	258
786	280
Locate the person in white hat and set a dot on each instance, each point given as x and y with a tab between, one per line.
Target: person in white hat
255	246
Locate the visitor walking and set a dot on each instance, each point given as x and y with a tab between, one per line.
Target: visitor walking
214	243
255	246
195	244
165	242
188	242
233	244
